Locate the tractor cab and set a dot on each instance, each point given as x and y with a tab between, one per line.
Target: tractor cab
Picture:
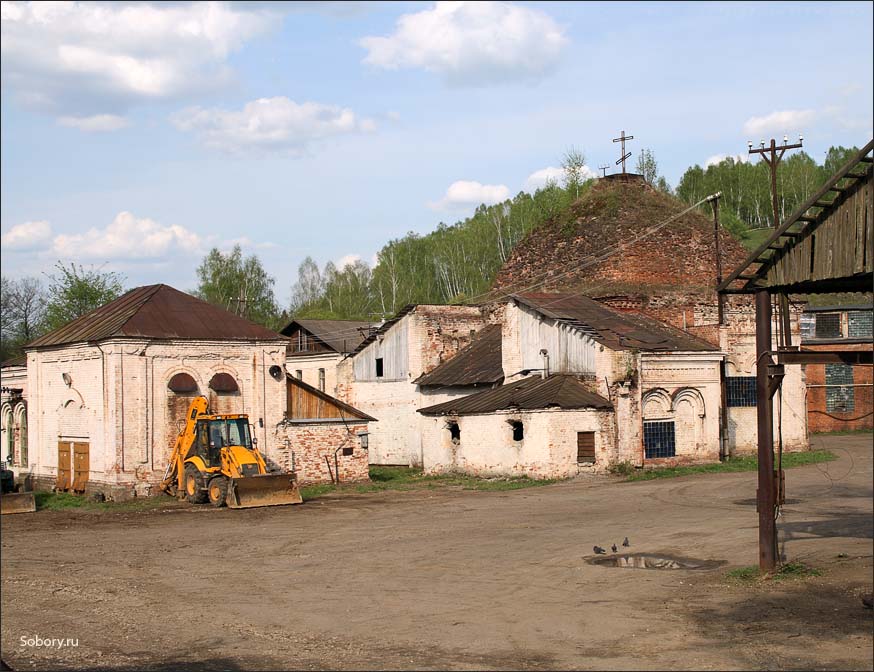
218	432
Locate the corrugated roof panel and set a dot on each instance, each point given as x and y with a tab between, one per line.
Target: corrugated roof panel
478	363
533	393
617	330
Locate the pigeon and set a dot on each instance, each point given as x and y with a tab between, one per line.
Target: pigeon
598	550
626	543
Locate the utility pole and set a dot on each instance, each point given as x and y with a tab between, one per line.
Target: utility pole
714	202
622	138
772	156
770	491
603	170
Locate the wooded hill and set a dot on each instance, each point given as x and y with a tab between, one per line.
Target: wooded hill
460	262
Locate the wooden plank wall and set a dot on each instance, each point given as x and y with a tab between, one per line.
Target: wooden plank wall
840	247
303	404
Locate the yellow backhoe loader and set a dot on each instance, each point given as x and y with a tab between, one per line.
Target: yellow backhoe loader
215	459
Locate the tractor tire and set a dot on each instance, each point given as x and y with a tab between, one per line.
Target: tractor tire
194	486
217	491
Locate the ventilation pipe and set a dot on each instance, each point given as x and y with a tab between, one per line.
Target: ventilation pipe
544	370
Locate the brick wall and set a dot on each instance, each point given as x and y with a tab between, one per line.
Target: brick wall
311	443
819	417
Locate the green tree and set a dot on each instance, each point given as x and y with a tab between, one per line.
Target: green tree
574	165
75	290
649	168
309	288
240	285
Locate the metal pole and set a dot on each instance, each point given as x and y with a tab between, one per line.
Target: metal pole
773	165
766	495
719	297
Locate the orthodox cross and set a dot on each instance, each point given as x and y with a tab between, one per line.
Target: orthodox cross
622	138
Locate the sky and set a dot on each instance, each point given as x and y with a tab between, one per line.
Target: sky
137	136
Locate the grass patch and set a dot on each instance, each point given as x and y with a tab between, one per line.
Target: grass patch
65	501
787	572
845	432
743	463
408	478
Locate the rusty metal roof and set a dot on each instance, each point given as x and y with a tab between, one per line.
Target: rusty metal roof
340	335
617	330
476	364
157	311
557	391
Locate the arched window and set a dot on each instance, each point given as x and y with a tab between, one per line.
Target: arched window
223	383
8	443
182	383
22	436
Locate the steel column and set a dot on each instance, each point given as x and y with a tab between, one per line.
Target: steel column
766	494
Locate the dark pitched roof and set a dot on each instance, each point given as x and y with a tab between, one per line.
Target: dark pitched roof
617	330
339	335
157	311
21	360
385	326
342	405
557	391
478	363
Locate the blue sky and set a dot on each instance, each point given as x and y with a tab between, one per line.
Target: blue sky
137	136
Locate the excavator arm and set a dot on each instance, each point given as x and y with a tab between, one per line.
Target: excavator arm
173	476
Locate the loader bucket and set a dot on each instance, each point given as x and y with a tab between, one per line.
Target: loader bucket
17	502
263	490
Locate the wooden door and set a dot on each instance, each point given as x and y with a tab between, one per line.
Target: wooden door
81	466
64	470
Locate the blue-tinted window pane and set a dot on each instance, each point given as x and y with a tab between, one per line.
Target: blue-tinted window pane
840	394
658	439
740	391
859	324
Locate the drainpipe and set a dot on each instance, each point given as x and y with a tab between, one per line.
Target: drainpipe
544	370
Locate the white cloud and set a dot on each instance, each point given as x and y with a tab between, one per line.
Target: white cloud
472	43
97	123
347	260
778	122
463	194
539	178
270	124
127	237
81	59
716	159
27	236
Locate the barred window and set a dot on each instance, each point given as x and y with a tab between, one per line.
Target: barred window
658	439
859	324
740	391
839	394
828	325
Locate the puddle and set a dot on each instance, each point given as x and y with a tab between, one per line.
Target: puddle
652	561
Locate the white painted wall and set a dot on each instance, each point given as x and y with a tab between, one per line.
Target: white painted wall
118	400
487	448
310	364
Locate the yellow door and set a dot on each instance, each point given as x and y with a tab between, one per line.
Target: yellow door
80	466
64	472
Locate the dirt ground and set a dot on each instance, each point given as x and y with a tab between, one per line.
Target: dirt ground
451	580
